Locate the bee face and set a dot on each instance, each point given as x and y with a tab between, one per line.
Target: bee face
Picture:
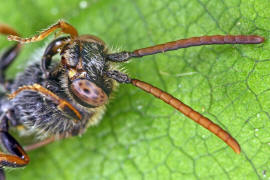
85	63
84	56
70	55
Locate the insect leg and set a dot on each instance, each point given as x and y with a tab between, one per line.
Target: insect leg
64	26
62	104
17	156
6	30
44	142
178	105
184	43
9	55
53	48
6	59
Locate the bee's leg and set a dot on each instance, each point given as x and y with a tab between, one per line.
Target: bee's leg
178	105
44	142
62	104
17	157
40	144
64	26
9	55
185	43
53	48
6	59
6	30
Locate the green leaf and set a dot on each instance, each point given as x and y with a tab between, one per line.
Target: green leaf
141	137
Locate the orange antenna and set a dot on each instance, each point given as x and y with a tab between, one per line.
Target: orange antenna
189	112
185	43
197	41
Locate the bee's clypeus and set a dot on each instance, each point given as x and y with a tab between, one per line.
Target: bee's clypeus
63	98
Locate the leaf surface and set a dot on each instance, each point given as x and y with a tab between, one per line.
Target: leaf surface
141	137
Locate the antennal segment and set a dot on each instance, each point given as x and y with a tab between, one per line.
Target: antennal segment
189	112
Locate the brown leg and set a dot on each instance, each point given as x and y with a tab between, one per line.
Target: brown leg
178	105
62	104
17	156
19	159
64	26
44	142
6	30
184	43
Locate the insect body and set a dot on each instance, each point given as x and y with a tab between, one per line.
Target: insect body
62	99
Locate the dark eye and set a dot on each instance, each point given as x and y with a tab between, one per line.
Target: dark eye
88	92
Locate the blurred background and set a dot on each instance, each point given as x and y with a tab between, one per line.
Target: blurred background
140	137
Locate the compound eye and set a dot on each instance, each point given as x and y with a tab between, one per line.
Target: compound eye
88	92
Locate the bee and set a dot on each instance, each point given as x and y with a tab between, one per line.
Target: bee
62	98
